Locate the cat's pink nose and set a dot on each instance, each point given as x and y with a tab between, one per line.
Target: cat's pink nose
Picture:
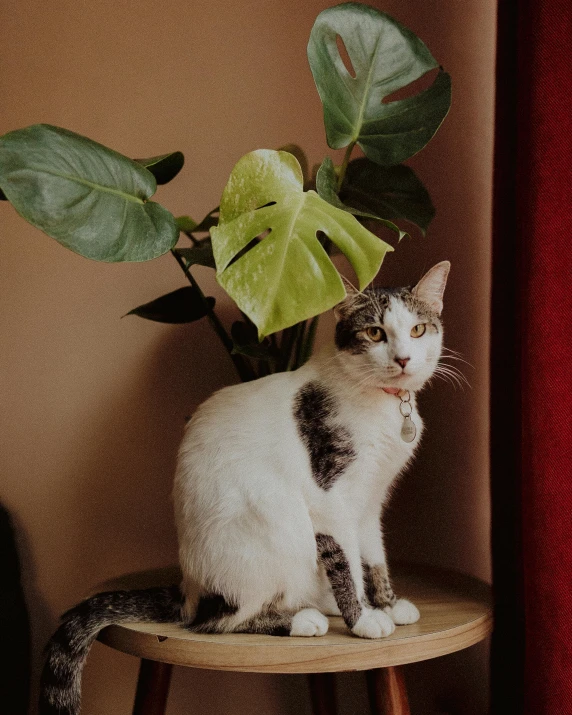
402	361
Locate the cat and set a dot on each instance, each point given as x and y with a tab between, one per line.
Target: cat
279	491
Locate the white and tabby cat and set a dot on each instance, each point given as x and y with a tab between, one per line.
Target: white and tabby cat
279	491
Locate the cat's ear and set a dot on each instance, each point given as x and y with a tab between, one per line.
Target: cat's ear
352	294
431	287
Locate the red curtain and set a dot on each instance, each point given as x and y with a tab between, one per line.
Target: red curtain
531	361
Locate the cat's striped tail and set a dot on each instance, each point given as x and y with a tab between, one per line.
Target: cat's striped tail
68	648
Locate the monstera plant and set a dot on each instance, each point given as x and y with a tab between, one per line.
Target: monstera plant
271	238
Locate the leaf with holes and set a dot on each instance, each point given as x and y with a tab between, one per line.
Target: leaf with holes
394	191
91	199
385	57
165	167
184	305
268	256
326	182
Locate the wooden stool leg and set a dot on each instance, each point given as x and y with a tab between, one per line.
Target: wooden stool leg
387	692
323	693
152	688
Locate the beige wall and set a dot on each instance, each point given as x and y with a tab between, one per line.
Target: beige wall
93	406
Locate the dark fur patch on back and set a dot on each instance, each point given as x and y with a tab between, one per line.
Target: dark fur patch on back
334	560
329	445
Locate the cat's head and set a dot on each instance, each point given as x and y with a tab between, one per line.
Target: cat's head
392	337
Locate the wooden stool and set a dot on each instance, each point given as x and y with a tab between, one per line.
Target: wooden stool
455	613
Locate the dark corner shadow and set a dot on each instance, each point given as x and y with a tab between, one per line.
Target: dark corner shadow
41	619
14	616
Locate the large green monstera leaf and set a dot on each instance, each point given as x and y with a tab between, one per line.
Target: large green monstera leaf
88	197
268	255
392	191
385	57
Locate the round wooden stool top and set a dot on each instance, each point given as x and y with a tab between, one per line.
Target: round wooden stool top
455	612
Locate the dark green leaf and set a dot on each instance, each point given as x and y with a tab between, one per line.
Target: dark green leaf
208	222
91	199
245	339
385	57
326	183
185	224
184	305
201	254
164	167
396	192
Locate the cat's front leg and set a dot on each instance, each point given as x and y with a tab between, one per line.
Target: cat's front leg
380	595
343	569
378	589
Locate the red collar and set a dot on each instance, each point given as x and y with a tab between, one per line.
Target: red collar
392	390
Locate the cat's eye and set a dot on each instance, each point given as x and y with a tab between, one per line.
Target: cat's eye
418	330
376	334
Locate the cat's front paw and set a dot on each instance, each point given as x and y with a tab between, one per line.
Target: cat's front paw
373	623
403	612
309	622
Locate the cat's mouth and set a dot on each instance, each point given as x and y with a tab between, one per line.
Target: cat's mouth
396	380
402	378
405	379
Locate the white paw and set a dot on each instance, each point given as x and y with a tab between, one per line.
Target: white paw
373	624
403	612
309	622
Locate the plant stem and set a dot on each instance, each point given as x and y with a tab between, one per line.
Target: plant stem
190	236
243	368
308	343
344	166
299	346
286	345
295	351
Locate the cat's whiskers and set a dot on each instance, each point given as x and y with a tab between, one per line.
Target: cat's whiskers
455	368
451	374
365	380
460	359
450	350
366	373
443	376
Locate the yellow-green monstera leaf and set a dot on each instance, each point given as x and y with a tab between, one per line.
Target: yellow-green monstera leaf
286	276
